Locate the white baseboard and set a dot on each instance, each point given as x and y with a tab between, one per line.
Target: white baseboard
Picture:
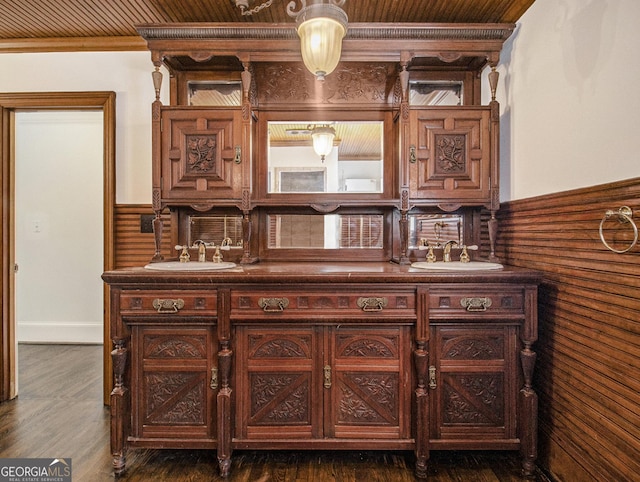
52	332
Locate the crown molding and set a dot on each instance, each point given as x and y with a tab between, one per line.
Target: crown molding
72	44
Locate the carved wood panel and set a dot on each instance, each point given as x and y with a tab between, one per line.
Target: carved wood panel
277	384
476	381
351	83
323	382
173	374
452	155
200	160
370	370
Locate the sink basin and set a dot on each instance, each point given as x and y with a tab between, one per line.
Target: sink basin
190	266
457	266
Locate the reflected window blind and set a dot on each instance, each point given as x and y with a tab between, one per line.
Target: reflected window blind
361	231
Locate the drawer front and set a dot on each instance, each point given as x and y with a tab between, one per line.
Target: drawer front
168	302
475	303
297	303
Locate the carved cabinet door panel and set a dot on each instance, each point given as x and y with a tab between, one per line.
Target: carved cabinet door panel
367	375
201	155
450	155
174	381
473	377
278	387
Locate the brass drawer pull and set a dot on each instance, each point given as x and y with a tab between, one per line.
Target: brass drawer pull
476	304
371	304
168	306
270	305
327	376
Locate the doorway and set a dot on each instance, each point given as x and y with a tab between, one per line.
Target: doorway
9	104
58	236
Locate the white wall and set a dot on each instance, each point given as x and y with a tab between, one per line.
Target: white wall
569	97
59	226
128	74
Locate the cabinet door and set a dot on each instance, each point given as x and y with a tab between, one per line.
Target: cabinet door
450	155
278	387
474	382
173	382
200	157
368	373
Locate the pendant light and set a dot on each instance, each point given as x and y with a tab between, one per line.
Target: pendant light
321	27
322	137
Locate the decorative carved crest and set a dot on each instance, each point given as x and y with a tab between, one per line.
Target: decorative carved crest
450	153
201	153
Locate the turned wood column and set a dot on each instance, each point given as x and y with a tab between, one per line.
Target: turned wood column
225	354
495	164
407	155
528	396
156	143
119	406
421	363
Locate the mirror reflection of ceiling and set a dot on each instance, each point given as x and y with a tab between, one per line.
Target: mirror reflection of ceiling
355	141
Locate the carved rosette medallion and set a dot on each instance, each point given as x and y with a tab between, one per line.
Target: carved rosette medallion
201	153
450	153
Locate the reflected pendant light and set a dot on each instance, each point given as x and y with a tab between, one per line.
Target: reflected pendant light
321	27
322	137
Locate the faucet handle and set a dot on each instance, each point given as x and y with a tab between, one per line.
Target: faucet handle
184	256
423	244
464	255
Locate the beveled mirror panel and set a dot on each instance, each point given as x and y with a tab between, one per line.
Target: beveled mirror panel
435	229
429	93
214	93
325	157
328	231
216	230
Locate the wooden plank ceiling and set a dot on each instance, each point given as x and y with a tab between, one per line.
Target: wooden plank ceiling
68	25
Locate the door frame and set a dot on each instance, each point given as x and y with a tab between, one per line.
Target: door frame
9	102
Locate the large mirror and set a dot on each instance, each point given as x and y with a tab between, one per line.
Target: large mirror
325	157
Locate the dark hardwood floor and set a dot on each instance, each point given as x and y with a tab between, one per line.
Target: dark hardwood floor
59	413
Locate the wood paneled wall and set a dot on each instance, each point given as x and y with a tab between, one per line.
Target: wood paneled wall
588	368
132	247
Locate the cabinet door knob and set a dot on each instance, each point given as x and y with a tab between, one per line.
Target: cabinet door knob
476	304
273	304
168	306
